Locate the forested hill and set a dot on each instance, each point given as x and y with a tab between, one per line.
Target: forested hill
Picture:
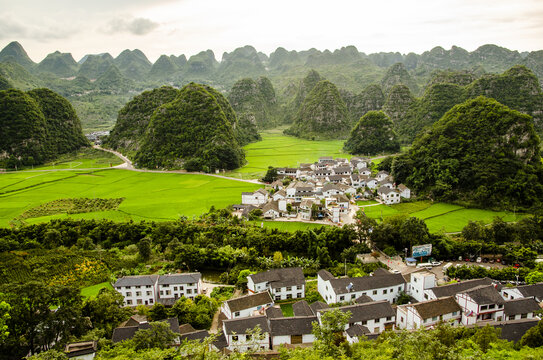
194	131
99	85
36	126
480	152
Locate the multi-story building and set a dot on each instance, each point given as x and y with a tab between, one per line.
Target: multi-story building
482	303
174	286
428	313
376	316
282	284
240	337
246	306
138	290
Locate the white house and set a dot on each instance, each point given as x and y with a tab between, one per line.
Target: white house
82	350
137	290
258	197
371	183
279	195
364	171
355	333
284	283
428	313
378	287
419	282
248	305
377	316
295	330
174	286
524	291
342	170
522	308
382	175
482	303
271	210
329	190
305	209
238	334
389	196
405	192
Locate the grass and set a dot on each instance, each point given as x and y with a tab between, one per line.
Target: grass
366	202
93	290
87	158
440	217
288	225
287	310
148	196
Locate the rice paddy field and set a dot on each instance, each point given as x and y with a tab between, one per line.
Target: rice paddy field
93	290
147	196
287	225
440	217
88	158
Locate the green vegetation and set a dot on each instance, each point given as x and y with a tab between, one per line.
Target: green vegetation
287	225
93	290
191	132
373	134
254	102
36	126
371	99
84	158
395	75
134	117
59	64
146	194
481	152
322	115
287	310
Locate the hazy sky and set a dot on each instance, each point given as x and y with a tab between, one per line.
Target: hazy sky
189	26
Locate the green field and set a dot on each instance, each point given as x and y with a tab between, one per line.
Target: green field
93	290
439	216
148	196
287	310
279	150
88	158
287	225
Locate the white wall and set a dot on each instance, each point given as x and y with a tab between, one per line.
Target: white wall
290	292
243	345
136	295
511	293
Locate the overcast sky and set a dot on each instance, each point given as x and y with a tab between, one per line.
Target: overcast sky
188	26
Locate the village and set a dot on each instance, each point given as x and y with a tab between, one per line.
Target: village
371	302
326	190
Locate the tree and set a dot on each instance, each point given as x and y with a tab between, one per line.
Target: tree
363	227
106	310
271	175
486	336
144	248
534	277
373	134
158	312
158	336
534	336
4	317
329	334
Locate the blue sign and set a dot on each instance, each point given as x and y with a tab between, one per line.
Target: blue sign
422	250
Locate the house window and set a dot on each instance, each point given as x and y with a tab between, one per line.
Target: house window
189	291
148	286
299	295
299	287
384	291
168	292
166	285
484	307
374	292
128	293
150	301
138	293
289	288
161	292
341	298
277	297
277	290
236	314
454	313
128	302
248	337
364	322
175	288
491	306
235	338
138	287
180	288
511	317
127	287
434	318
389	318
289	296
523	316
399	288
500	306
377	321
353	296
401	318
148	293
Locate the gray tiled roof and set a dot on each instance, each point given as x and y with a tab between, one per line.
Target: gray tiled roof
368	311
318	305
301	308
366	283
273	313
357	330
127	332
535	290
185	278
137	280
441	306
294	325
453	289
280	277
242	325
195	335
521	306
249	301
363	299
485	294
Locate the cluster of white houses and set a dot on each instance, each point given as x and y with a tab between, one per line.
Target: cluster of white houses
369	300
323	190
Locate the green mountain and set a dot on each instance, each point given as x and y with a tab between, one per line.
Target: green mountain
371	98
95	65
305	86
201	64
283	59
397	74
517	88
60	64
18	76
164	67
4	83
14	52
323	115
63	127
242	62
134	117
191	131
398	102
133	64
254	101
180	60
372	135
534	62
113	80
481	152
458	77
436	101
23	129
245	130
